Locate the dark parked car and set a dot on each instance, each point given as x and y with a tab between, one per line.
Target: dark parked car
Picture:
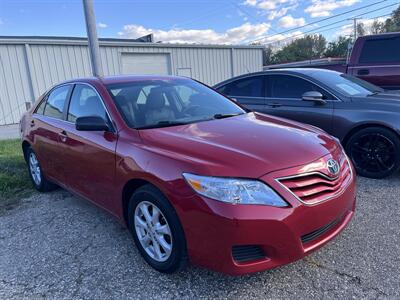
363	116
191	174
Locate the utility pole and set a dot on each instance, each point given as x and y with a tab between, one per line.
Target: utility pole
92	37
355	29
355	26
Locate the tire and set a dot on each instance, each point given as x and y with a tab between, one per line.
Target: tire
36	173
375	152
150	198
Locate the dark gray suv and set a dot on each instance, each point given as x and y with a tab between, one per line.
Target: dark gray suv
363	116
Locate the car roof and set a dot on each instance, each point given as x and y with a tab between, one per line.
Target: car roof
295	71
123	79
379	36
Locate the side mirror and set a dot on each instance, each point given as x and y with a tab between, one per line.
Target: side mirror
314	96
92	123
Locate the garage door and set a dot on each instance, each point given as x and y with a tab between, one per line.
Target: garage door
146	63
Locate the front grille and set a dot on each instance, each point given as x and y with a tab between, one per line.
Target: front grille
309	237
247	253
315	187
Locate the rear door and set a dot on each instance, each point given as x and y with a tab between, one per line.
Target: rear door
47	123
284	99
248	91
89	156
379	62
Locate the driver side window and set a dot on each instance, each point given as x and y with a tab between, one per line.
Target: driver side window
291	87
85	102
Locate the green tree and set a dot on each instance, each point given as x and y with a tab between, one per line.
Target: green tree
377	27
268	56
338	48
393	23
308	47
361	29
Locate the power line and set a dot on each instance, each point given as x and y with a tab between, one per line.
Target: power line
322	20
319	31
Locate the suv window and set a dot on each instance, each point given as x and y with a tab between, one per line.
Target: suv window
85	102
245	87
55	102
381	51
286	86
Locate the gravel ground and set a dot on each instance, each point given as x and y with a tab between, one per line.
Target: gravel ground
58	246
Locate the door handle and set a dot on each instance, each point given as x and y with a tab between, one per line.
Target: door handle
363	72
63	136
274	104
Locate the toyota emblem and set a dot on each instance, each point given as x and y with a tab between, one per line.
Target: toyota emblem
333	167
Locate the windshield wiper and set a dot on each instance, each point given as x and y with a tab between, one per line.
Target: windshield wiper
162	124
222	116
373	93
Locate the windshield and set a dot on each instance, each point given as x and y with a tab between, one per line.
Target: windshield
347	85
170	102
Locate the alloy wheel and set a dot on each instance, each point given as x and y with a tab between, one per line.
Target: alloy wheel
153	231
373	153
34	168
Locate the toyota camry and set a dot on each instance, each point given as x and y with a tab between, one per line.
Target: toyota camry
194	176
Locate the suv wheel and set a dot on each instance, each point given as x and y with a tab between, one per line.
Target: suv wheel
156	230
375	152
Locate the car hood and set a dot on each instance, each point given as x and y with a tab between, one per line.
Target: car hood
249	145
386	99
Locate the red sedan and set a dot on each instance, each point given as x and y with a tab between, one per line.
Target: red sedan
193	175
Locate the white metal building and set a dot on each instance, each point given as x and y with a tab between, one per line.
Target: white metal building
31	65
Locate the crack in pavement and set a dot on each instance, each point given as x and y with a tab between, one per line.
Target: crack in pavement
353	278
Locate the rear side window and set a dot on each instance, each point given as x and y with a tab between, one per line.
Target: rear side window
85	102
55	102
381	51
40	108
245	87
286	86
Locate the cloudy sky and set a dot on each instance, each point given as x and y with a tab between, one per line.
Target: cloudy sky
191	21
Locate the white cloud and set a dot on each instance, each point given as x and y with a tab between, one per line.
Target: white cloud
265	4
250	2
320	8
242	15
102	25
288	22
277	41
240	34
277	13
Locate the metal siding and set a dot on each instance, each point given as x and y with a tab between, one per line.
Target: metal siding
55	62
14	89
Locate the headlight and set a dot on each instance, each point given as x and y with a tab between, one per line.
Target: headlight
234	190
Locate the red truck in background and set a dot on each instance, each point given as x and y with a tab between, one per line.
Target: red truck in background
374	58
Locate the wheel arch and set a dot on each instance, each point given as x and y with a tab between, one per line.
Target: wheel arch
130	187
359	127
25	145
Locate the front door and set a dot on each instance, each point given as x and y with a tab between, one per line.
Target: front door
284	99
89	155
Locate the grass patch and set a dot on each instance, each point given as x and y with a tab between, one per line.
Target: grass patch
14	179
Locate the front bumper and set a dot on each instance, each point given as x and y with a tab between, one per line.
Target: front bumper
284	235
